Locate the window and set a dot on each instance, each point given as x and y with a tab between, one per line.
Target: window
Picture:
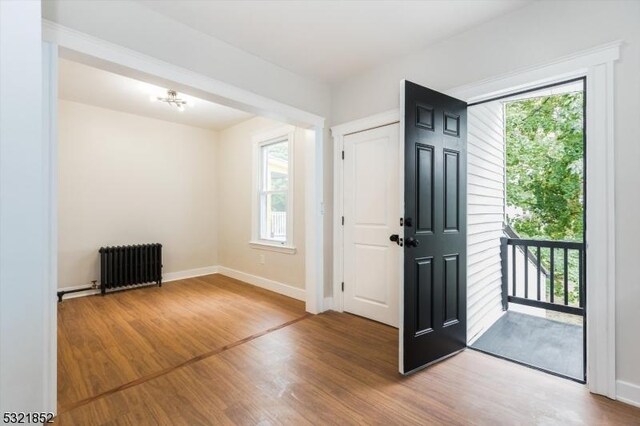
273	212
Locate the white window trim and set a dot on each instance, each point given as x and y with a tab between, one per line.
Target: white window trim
260	139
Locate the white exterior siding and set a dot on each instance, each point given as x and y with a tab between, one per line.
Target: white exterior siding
485	216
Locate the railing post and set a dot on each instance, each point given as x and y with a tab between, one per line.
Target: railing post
504	259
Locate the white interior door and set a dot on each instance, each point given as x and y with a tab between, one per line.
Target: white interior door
371	216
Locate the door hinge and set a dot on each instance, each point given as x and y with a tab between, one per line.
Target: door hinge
401	222
342	220
343	155
343	286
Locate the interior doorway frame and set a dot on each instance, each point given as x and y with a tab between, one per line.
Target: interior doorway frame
62	42
597	66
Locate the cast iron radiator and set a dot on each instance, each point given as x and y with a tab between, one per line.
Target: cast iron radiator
124	266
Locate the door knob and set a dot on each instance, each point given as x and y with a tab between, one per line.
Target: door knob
396	238
411	242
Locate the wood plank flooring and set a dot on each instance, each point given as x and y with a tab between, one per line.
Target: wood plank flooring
106	342
284	367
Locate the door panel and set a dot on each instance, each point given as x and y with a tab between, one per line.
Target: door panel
371	216
434	306
451	190
424	188
424	294
451	289
371	265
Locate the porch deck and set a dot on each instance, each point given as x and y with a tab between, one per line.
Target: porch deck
540	342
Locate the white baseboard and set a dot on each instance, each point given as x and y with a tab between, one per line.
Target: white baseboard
628	393
189	273
169	276
327	304
277	287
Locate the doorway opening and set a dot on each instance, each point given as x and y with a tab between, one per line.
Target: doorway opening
124	146
273	119
527	223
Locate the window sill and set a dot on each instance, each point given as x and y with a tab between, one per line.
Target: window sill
280	248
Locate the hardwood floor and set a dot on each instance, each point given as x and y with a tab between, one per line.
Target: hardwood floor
284	367
106	342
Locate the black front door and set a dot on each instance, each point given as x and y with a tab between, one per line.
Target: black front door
435	227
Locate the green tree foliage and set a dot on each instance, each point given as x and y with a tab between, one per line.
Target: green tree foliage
278	152
545	166
545	160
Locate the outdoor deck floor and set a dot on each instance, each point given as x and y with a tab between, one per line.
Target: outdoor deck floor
539	342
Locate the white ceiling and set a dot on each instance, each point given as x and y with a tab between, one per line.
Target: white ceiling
331	40
93	86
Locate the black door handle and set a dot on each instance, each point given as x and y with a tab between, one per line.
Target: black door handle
411	242
396	238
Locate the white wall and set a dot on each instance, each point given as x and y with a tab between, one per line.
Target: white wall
235	195
539	33
127	179
24	230
485	210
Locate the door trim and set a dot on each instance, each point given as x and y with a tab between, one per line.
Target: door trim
338	133
50	137
597	65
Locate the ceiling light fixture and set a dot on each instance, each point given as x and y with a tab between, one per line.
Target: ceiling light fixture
171	99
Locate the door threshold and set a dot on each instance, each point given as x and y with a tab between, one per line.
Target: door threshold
553	373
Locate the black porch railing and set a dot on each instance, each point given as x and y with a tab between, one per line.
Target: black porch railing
565	291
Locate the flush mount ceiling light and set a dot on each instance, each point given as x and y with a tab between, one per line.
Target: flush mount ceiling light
171	99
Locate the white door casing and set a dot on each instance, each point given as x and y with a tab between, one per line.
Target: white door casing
371	216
